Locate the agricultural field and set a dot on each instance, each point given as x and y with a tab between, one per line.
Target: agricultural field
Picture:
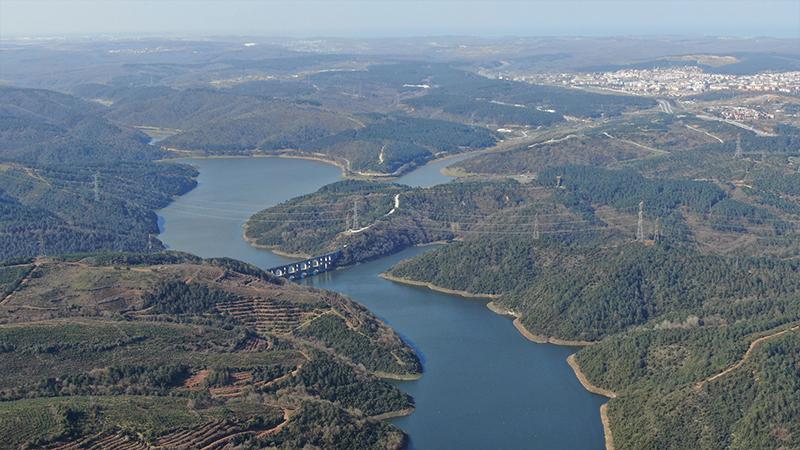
172	350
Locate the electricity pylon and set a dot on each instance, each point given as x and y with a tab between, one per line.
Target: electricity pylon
640	224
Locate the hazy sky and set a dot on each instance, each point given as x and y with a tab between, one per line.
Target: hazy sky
401	18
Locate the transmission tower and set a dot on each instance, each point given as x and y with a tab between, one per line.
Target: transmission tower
536	227
42	251
657	230
149	242
738	146
355	214
97	186
640	225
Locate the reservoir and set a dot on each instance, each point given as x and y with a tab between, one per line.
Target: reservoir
484	386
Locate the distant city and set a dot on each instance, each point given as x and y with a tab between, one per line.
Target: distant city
669	82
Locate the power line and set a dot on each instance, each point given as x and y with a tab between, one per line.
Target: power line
96	186
657	230
42	250
448	219
738	154
355	214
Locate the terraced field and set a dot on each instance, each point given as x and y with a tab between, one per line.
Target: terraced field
184	353
268	316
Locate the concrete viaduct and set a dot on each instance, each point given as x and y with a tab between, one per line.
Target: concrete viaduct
307	267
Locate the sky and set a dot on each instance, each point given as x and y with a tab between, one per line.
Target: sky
392	18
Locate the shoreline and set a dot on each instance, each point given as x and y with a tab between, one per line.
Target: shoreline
433	287
196	154
345	171
604	419
571	361
537	338
270	248
393	414
397	376
573	364
609	437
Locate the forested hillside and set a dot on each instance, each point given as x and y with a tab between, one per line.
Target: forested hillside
225	122
586	293
503	102
725	377
72	181
390	217
48	127
668	312
678	145
258	117
52	210
590	204
387	144
589	149
171	350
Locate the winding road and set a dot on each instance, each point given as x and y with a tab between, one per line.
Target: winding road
747	354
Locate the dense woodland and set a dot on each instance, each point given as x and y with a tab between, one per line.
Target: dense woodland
387	143
322	221
71	181
39	126
49	209
673	316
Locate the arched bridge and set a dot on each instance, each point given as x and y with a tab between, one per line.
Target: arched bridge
307	267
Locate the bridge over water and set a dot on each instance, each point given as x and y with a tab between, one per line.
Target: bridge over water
307	267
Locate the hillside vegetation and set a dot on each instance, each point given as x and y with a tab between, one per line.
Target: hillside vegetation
171	350
39	126
502	102
251	118
692	327
323	221
48	209
72	181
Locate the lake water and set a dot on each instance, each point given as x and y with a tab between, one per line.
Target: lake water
484	386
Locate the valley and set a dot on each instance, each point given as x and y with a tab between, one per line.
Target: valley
557	243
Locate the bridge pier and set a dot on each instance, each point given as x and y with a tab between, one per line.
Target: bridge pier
309	267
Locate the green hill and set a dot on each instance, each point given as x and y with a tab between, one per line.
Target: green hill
48	127
171	350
